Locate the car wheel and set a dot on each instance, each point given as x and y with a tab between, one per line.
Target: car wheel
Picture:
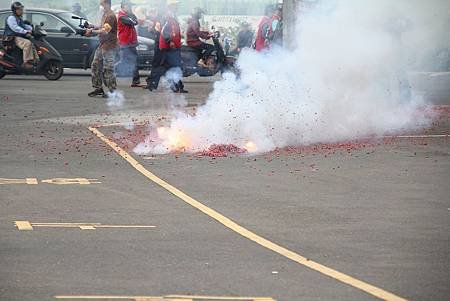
53	70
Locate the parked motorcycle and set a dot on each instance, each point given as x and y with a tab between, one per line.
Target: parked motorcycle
50	60
217	62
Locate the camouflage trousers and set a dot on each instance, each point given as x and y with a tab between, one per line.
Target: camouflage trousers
102	69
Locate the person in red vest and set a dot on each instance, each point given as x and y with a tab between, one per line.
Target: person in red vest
170	46
264	30
194	34
128	41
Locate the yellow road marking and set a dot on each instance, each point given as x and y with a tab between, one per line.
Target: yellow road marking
24	225
136	298
55	181
167	298
217	298
63	181
28	181
359	284
28	226
31	181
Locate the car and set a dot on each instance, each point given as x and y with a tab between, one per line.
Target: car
77	50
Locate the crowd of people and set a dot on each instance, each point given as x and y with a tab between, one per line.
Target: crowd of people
164	28
120	33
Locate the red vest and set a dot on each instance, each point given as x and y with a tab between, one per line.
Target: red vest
261	36
126	33
170	32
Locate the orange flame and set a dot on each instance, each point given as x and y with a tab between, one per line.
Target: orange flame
173	140
251	147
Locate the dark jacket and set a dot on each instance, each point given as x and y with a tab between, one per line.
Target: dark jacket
244	39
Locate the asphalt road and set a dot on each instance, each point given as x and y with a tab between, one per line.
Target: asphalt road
378	213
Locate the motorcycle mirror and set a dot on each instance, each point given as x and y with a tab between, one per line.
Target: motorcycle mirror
42	24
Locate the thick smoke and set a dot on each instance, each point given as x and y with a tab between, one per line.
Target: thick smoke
346	79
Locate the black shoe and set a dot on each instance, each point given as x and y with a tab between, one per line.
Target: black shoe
182	91
97	92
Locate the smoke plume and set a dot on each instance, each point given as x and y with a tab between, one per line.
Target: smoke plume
346	79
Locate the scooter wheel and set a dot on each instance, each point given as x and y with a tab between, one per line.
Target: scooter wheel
53	70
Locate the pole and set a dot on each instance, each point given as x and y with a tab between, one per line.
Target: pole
290	8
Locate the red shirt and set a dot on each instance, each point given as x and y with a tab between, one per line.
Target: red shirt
264	25
127	33
193	33
170	32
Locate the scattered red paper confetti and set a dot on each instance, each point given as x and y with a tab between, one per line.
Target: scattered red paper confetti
221	150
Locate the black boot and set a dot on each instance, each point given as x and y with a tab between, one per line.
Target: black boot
181	88
149	87
97	92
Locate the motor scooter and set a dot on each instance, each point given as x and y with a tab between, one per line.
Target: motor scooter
50	60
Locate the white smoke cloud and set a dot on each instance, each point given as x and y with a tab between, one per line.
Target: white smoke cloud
346	80
172	76
115	99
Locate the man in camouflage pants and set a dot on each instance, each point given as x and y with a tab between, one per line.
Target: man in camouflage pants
105	56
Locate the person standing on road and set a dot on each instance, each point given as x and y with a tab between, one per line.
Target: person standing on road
154	33
244	39
128	41
264	30
76	10
170	46
276	37
102	67
194	34
17	30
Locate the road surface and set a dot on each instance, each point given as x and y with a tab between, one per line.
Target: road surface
83	216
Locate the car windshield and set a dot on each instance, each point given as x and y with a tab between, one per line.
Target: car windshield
68	18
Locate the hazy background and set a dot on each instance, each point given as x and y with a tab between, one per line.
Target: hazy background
431	17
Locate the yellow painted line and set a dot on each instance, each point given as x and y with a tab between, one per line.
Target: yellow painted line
28	181
79	181
217	298
87	227
146	298
27	226
167	298
23	225
32	181
56	181
344	278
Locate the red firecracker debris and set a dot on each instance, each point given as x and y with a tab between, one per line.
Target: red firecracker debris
221	150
